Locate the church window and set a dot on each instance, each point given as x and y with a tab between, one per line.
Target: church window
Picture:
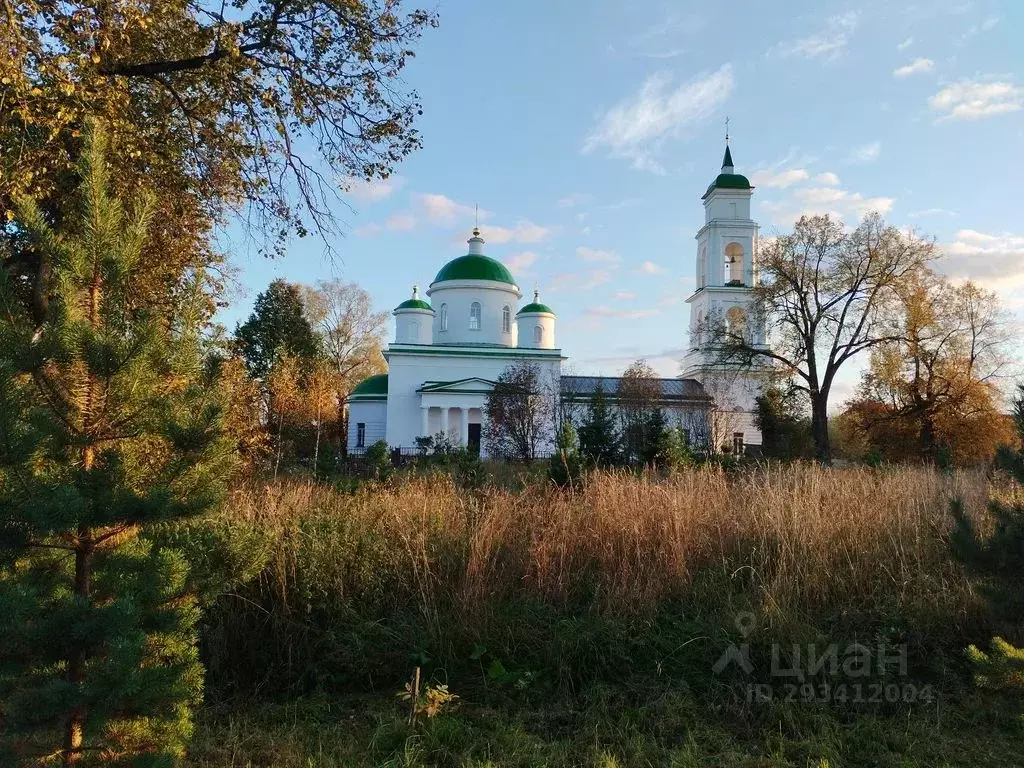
474	316
736	322
538	335
360	435
702	281
737	443
506	319
734	264
413	332
444	317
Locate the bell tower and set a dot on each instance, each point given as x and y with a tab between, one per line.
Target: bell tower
725	269
726	274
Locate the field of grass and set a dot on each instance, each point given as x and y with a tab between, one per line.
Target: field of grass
583	628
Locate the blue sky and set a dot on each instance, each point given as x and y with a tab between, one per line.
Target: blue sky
587	131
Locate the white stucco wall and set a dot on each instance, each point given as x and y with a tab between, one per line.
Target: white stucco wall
373	415
528	322
458	296
413	326
407	371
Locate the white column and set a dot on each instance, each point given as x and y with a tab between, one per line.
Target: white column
424	421
444	420
465	427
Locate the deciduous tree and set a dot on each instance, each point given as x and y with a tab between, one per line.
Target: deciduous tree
820	299
517	415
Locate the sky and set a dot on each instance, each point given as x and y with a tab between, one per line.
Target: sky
587	131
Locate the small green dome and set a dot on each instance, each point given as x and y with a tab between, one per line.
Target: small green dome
536	307
374	385
729	181
474	266
415	304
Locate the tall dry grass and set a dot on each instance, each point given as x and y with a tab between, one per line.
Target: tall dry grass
797	545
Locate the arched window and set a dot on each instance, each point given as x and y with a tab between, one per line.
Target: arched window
413	332
538	335
474	316
444	317
736	322
701	268
734	264
506	319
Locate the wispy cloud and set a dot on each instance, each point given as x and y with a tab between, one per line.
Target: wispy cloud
523	232
649	268
828	42
986	25
828	178
620	314
371	190
399	222
917	66
625	295
930	212
519	263
579	281
867	153
977	99
769	178
905	44
636	128
595	255
441	209
832	200
576	198
996	261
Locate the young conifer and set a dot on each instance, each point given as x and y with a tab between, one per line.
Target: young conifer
106	426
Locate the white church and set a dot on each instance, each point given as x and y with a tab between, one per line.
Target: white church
451	347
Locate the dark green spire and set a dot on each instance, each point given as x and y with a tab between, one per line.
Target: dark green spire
727	160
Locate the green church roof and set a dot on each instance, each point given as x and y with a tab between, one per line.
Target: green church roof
373	388
415	304
729	181
536	307
475	267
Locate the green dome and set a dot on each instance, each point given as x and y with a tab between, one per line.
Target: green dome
536	307
729	181
415	304
374	386
475	267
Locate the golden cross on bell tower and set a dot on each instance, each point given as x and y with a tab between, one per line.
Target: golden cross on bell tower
726	129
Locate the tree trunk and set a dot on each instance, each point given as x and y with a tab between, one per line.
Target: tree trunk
819	427
926	437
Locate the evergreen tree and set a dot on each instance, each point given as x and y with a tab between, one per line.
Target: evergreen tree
598	436
277	325
785	429
106	426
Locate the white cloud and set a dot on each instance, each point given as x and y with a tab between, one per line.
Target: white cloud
769	178
839	203
996	261
827	178
931	212
576	198
579	281
523	232
619	314
905	44
400	221
519	263
828	42
441	209
593	254
989	23
637	127
977	99
650	268
371	190
919	64
625	295
867	153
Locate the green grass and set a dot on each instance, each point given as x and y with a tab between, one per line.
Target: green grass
610	728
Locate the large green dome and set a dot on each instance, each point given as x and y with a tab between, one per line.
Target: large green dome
474	266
